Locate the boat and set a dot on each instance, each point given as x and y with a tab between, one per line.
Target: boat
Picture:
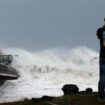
7	72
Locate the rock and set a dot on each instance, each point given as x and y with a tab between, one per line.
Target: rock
46	98
36	99
89	90
70	89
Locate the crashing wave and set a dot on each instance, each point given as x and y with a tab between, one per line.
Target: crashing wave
45	72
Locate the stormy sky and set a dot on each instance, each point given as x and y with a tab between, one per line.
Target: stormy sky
42	24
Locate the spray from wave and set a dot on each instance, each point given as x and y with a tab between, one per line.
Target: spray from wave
45	72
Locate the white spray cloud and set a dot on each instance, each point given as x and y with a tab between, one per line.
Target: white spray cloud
45	72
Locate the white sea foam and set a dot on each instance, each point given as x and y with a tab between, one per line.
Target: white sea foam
45	72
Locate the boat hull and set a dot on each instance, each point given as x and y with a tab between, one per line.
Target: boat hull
8	73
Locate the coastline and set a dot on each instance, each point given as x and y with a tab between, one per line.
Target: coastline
80	98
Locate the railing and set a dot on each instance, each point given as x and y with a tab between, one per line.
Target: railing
6	59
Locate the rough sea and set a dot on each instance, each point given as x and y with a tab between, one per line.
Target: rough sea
46	72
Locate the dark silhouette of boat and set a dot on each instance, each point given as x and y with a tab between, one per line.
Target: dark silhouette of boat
7	72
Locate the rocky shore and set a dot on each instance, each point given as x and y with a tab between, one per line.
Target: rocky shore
72	96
